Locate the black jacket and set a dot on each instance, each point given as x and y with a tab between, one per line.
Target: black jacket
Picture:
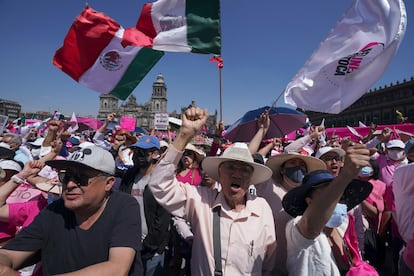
158	221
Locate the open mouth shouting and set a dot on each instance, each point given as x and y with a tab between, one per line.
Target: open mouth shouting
235	187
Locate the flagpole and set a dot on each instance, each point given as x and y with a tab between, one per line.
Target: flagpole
221	96
219	61
277	99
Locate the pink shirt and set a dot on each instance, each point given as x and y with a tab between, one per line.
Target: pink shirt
386	167
248	239
192	177
376	198
20	215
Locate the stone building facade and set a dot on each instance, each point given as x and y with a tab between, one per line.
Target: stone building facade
10	108
144	113
378	106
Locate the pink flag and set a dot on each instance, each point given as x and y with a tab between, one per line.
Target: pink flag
351	59
73	124
128	123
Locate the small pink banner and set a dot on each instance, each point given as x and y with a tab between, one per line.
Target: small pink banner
128	123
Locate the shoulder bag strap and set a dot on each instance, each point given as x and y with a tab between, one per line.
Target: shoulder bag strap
216	239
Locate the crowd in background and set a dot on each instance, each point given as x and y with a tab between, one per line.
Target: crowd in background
315	205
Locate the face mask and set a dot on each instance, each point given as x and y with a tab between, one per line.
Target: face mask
295	174
140	161
396	155
366	171
338	216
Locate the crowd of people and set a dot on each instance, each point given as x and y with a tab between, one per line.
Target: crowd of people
116	203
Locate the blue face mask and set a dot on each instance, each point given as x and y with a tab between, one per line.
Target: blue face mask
295	174
365	171
338	216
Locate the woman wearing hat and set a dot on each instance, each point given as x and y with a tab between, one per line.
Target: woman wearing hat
320	207
288	172
243	241
188	170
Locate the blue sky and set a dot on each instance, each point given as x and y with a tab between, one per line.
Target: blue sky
264	44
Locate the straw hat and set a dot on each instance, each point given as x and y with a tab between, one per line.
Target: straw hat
275	163
198	153
237	152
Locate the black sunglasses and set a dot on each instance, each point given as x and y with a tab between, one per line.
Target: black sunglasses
80	178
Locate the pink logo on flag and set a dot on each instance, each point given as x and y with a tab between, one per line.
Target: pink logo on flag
128	123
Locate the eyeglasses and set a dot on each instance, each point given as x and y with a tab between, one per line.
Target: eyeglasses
331	158
188	153
245	170
80	178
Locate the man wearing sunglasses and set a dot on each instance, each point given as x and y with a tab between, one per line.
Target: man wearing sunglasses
91	230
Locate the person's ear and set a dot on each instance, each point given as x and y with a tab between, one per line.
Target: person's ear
308	200
110	181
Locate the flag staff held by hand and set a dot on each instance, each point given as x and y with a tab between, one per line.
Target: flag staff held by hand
220	66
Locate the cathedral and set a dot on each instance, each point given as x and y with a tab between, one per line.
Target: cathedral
143	113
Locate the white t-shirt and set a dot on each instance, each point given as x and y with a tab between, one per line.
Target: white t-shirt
138	192
308	257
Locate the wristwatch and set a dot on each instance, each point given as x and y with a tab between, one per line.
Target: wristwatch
17	179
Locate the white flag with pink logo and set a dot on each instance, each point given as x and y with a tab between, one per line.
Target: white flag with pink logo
351	59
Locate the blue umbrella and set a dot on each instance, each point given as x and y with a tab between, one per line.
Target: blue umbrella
283	120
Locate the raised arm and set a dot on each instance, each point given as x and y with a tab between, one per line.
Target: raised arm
30	168
52	133
324	200
109	119
263	123
167	190
193	120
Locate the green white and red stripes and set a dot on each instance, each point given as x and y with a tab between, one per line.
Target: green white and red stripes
92	55
179	26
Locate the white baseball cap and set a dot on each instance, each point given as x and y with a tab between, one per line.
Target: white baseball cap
92	157
324	150
396	143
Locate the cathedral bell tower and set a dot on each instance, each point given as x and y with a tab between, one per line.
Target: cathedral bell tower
107	105
159	97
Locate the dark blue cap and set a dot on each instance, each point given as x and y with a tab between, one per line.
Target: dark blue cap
294	201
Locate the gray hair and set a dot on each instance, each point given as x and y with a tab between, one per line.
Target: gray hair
17	139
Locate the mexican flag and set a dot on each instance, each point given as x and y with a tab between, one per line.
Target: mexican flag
178	26
92	55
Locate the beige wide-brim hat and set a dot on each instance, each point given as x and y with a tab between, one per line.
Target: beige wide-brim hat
275	163
199	153
237	152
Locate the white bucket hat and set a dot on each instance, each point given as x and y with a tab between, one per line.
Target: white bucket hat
237	152
324	150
